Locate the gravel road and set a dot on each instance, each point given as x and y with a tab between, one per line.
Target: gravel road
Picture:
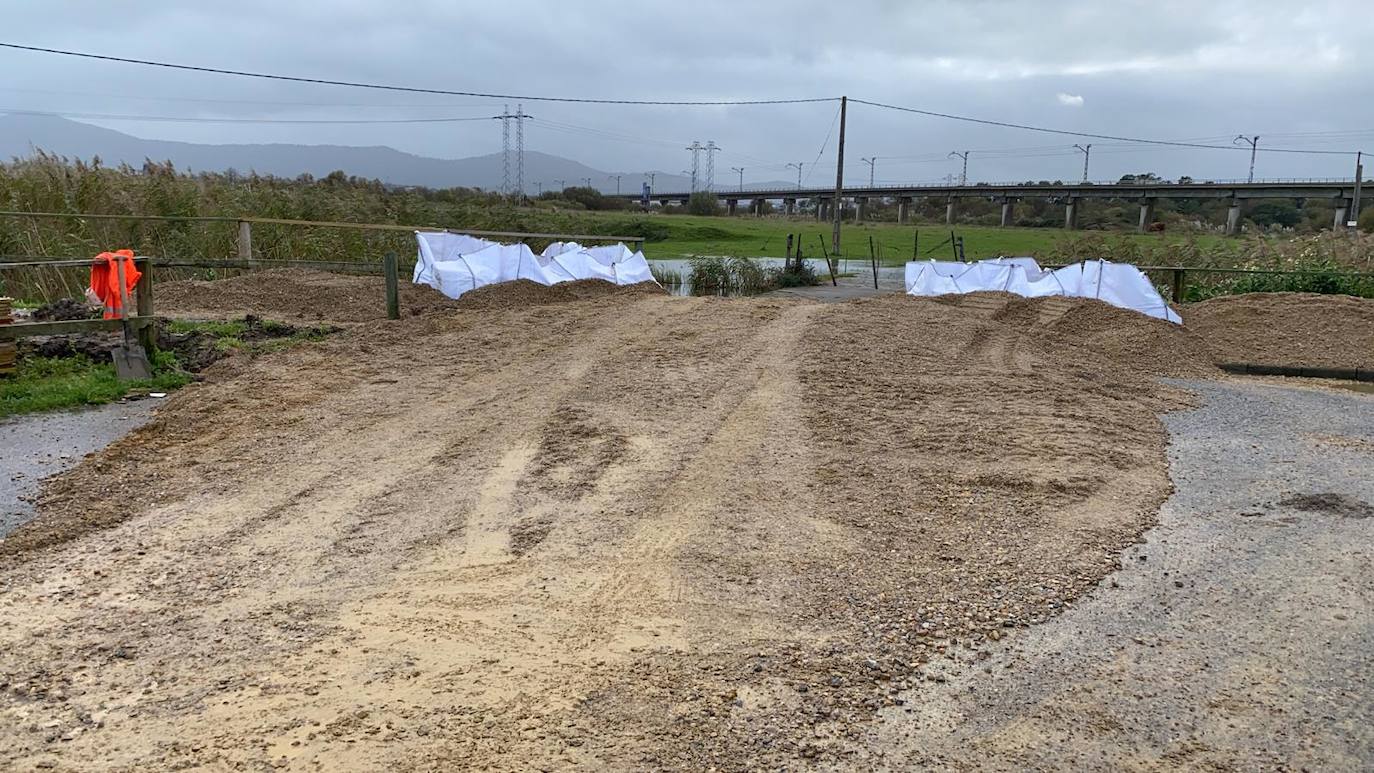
1237	636
43	444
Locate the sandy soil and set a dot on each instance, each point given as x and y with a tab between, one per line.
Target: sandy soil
632	531
295	295
1293	329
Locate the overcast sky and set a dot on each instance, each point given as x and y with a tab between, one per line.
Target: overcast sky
1293	73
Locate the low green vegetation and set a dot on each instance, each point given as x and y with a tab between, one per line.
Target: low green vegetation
742	276
52	383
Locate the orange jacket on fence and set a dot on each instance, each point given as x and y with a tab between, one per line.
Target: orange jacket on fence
105	279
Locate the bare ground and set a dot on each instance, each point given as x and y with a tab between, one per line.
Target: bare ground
625	532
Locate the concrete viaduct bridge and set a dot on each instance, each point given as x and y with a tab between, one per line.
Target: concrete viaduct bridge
1339	192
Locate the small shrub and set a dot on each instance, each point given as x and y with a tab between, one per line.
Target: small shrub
703	203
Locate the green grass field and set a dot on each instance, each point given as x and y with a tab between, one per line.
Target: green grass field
751	237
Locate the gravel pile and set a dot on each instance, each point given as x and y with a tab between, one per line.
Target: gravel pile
1292	329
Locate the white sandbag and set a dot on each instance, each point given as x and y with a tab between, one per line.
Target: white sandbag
1119	284
438	246
454	264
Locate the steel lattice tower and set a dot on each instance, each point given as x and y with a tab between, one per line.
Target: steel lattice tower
696	148
520	150
505	149
711	164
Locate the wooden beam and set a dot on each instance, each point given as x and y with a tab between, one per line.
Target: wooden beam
69	326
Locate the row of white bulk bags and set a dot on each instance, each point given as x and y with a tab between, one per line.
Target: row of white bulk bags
1119	284
454	263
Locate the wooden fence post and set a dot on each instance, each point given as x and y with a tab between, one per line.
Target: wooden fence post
147	331
393	292
245	240
1178	285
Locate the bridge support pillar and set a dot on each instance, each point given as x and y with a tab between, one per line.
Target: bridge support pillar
1342	214
1071	214
949	212
1006	213
731	206
663	203
903	210
1233	219
789	206
1147	214
860	209
820	209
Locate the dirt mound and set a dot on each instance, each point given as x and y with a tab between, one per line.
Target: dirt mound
303	294
679	533
295	294
1085	327
523	292
1295	329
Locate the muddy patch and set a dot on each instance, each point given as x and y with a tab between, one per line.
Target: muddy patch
1330	504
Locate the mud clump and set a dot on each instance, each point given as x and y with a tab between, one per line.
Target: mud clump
1331	504
1292	329
523	292
64	309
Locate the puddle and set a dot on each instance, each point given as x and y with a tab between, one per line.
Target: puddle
42	444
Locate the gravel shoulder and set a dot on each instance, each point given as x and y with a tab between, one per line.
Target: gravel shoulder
1237	635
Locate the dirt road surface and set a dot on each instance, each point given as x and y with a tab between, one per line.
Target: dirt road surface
1237	637
623	532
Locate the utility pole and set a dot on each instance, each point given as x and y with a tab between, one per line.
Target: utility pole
963	176
615	177
539	186
798	167
1253	142
1086	151
651	176
740	170
871	164
711	148
562	185
587	181
1354	216
695	148
839	178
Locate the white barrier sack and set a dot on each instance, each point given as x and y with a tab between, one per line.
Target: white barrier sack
454	264
1119	284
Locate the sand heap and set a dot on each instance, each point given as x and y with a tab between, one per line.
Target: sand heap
1293	329
654	532
294	294
303	294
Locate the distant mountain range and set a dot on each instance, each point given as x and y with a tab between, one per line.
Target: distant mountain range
20	135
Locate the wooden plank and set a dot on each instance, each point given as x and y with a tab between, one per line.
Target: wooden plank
62	262
66	327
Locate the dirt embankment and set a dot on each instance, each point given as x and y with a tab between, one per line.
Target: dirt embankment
295	294
1297	329
631	531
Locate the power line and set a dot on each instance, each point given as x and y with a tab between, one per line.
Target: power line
187	119
410	89
277	103
1090	135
